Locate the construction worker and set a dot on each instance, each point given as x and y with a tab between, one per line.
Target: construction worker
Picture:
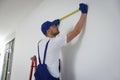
57	41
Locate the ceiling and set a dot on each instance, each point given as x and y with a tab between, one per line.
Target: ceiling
12	12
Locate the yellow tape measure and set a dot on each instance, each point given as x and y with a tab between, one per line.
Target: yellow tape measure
75	11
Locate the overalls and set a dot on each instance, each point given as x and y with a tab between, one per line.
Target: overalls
42	72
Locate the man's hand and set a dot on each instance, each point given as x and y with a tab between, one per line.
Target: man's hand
83	7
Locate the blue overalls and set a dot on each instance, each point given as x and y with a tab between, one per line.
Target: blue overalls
42	72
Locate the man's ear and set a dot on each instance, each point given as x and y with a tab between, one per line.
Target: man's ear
48	31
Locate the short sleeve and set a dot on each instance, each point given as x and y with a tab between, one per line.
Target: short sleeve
60	41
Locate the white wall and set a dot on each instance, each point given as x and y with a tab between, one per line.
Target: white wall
94	55
1	56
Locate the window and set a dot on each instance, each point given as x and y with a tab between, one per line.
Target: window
9	48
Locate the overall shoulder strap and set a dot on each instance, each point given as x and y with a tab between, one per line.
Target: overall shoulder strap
45	51
39	53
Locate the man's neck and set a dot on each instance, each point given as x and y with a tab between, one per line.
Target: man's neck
50	36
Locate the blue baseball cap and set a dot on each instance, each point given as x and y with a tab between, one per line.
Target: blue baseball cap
46	25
